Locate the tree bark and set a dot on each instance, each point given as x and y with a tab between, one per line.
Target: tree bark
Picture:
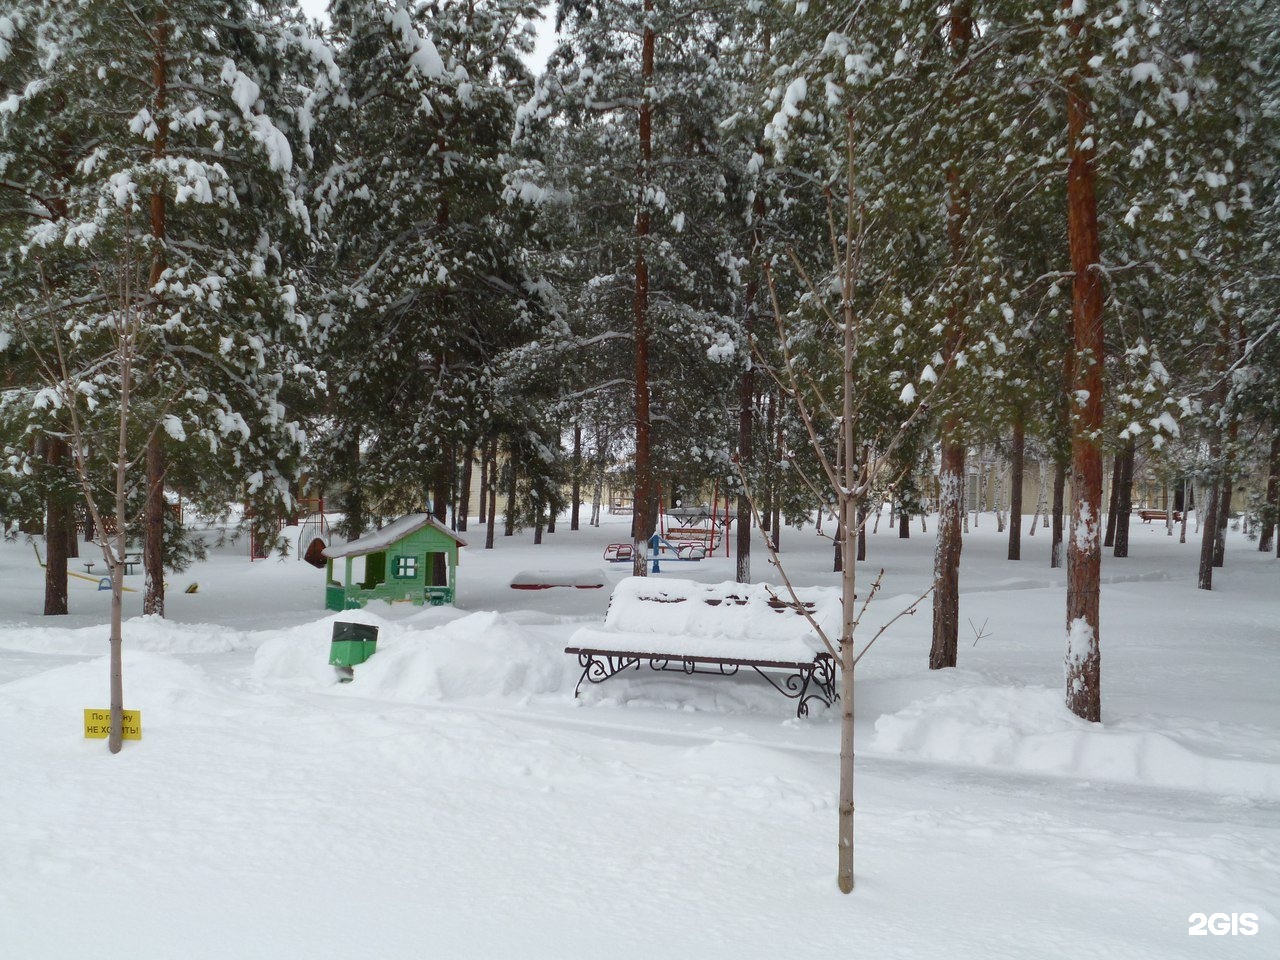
1084	551
598	468
491	514
55	529
1209	532
440	510
946	566
576	508
746	411
951	476
1272	500
1059	492
153	528
73	534
1113	501
904	525
1186	509
153	542
1017	455
1222	516
464	492
1124	499
482	509
642	521
512	479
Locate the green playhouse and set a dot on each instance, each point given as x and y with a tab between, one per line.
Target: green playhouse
400	562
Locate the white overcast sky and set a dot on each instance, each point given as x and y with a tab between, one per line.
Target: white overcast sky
546	34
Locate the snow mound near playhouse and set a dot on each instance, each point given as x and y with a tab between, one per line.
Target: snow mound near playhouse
1029	728
481	655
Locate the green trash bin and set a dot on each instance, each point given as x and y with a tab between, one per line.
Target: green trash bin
353	643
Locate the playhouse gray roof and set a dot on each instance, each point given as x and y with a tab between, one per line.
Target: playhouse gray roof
382	539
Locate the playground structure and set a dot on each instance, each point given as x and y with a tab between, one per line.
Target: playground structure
102	583
702	526
312	523
400	565
684	533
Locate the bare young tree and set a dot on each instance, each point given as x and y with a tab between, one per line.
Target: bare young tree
83	379
849	473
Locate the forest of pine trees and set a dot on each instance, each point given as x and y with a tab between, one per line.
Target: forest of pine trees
382	255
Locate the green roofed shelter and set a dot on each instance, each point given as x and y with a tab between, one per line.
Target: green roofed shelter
401	562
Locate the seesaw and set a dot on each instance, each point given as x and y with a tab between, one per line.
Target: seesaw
102	583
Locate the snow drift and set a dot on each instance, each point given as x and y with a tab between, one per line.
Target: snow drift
1028	728
481	655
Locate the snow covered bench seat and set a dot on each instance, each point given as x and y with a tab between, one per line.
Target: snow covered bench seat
687	627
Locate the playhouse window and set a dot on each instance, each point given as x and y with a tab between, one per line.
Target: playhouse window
406	567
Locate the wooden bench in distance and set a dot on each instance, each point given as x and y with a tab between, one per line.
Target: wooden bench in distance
1162	515
681	626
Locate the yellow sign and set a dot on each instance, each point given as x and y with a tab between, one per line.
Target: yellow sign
97	724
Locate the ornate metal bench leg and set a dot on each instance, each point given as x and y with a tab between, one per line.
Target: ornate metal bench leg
599	669
802	708
584	660
824	683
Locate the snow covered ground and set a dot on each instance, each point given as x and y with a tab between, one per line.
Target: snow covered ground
456	801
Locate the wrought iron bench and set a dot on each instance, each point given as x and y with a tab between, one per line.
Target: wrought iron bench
643	628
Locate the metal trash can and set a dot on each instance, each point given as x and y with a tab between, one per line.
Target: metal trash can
353	643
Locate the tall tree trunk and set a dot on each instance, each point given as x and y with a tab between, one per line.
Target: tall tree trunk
576	509
440	510
1209	531
1059	492
1271	509
951	477
1223	515
904	525
153	542
55	529
946	563
537	519
153	528
1124	499
464	490
1084	551
491	491
746	402
1040	502
767	480
1000	520
1113	501
482	509
598	468
512	480
642	515
1017	454
73	534
1186	508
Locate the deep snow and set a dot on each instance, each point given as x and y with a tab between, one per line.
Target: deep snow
455	801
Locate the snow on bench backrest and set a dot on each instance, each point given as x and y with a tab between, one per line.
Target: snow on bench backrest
750	613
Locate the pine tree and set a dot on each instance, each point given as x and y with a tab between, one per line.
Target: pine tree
170	155
426	213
